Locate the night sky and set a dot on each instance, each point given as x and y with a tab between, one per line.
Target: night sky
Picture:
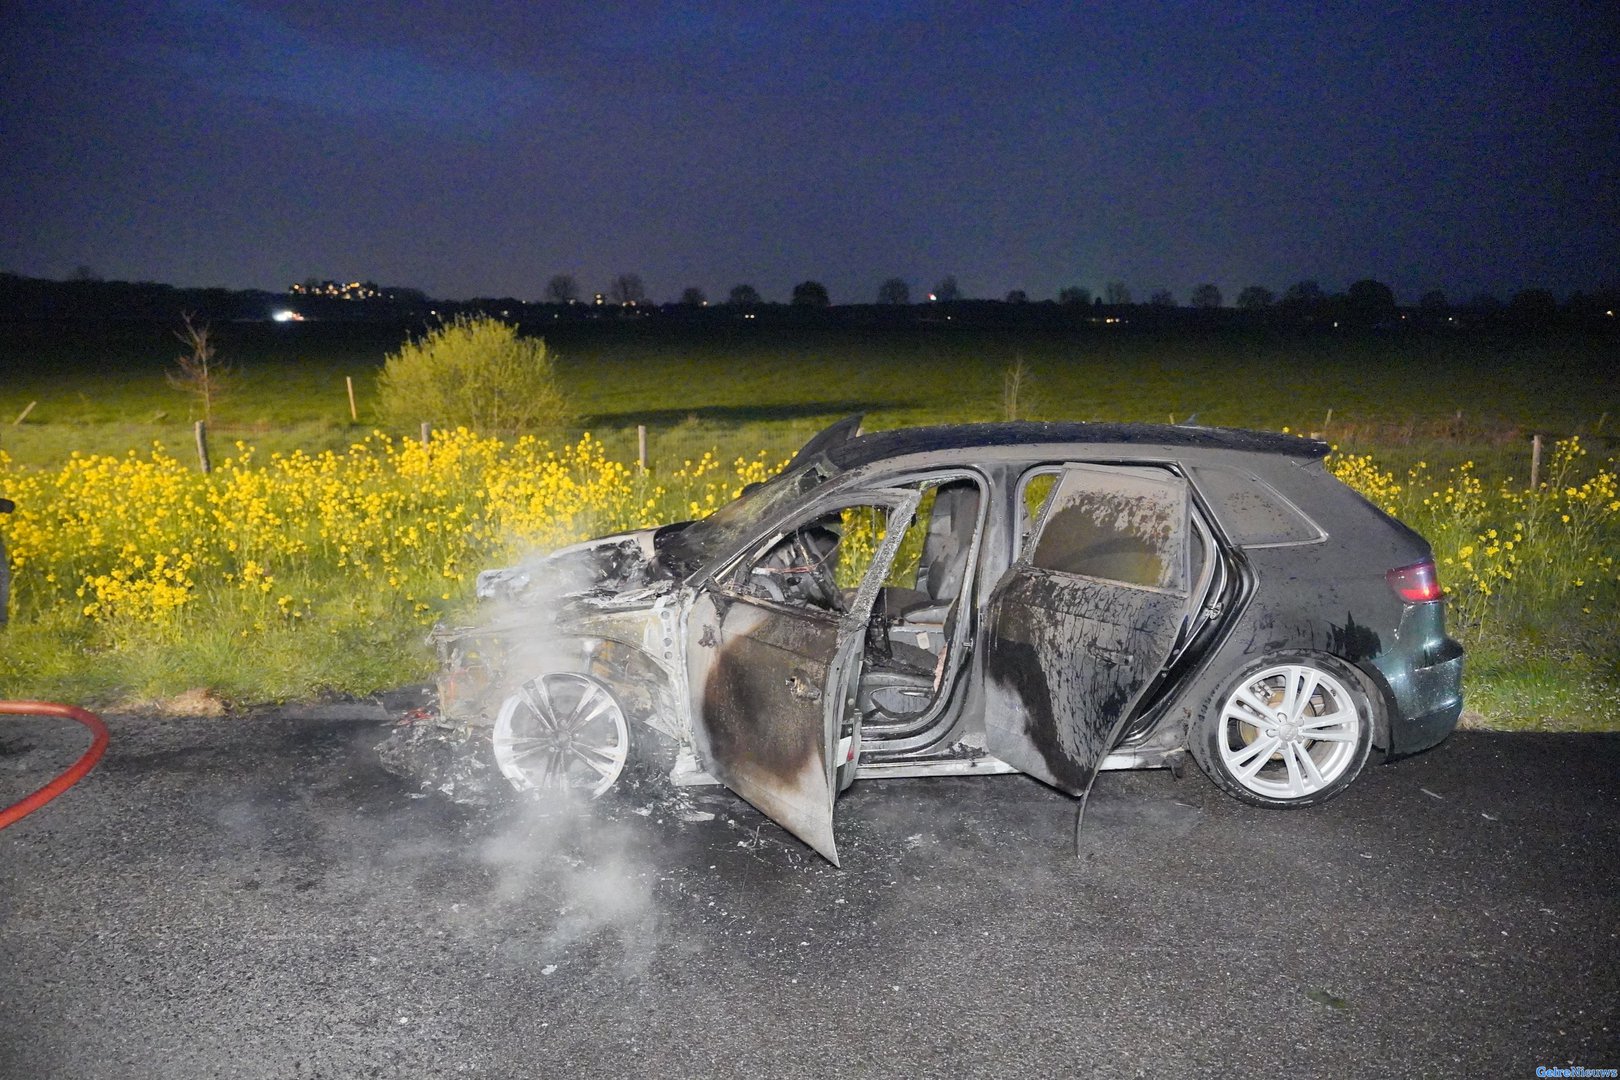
474	150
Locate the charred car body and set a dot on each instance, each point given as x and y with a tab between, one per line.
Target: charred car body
1051	599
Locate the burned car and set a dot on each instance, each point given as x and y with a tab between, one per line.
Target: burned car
1041	598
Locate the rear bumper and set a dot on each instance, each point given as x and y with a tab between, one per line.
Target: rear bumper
1422	732
1429	701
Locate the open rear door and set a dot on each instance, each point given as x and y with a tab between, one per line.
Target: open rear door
1085	618
774	653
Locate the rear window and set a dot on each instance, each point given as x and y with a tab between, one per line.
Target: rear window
1253	513
1123	525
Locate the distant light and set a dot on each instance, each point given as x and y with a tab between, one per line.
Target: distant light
287	316
932	298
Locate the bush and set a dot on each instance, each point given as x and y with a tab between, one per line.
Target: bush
473	372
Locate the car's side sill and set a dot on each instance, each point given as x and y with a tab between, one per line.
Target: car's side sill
687	774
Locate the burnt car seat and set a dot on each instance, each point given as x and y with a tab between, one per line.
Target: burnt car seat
943	565
900	681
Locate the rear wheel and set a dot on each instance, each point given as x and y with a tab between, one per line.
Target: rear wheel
562	732
1290	731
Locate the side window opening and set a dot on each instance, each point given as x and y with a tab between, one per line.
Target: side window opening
922	609
1033	491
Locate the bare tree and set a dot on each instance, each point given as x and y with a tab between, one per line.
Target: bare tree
1164	298
562	289
1014	382
743	296
947	290
692	296
199	374
627	289
894	291
1206	296
1074	296
1117	294
1018	296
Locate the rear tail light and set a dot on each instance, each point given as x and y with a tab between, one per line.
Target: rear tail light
1416	584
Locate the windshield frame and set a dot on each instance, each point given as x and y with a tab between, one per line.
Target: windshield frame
710	542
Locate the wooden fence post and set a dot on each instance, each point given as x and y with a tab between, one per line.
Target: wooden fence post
641	448
348	380
201	430
427	432
24	414
1535	463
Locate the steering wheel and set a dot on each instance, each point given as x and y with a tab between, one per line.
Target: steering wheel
816	580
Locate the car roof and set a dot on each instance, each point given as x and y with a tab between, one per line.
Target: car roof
900	442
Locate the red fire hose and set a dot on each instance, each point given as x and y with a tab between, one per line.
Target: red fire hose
74	773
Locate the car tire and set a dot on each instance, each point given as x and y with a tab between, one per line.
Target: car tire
562	733
1291	730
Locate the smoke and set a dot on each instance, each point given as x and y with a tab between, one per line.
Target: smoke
562	875
557	871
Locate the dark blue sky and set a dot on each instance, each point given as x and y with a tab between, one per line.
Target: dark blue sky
469	151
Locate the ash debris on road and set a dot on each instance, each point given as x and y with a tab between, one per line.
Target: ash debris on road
452	760
440	756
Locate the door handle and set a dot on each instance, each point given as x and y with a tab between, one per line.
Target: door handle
801	689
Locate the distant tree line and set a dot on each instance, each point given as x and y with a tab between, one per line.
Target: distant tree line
1366	302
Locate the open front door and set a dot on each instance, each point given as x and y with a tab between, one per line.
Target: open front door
1085	618
774	650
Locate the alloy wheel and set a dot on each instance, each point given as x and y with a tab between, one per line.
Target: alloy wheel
561	732
1289	731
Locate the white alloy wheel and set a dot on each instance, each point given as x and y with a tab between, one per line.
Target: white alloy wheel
1291	732
561	732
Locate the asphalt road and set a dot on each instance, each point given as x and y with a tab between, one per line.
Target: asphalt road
255	897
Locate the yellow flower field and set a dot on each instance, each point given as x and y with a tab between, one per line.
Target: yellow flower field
137	575
1504	548
122	554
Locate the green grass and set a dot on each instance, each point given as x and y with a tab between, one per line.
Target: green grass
101	388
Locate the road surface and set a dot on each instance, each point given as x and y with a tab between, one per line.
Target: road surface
254	897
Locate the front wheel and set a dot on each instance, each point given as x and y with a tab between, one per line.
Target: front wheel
1290	731
561	732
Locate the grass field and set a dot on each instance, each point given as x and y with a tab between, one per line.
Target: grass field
1421	404
1441	395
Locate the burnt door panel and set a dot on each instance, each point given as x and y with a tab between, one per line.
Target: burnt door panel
1084	620
769	677
764	722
